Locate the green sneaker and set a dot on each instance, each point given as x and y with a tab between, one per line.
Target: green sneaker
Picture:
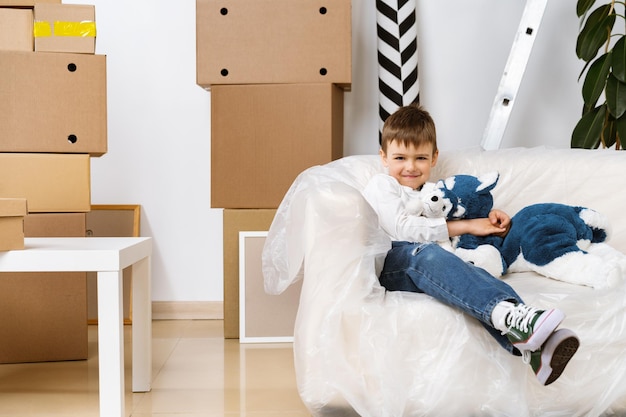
549	362
528	328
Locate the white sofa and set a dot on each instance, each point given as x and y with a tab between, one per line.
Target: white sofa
360	351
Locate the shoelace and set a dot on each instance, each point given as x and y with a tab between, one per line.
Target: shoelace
526	356
520	317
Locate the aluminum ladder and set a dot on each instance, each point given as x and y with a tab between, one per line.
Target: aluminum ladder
513	73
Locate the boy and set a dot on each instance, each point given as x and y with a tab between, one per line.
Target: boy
416	263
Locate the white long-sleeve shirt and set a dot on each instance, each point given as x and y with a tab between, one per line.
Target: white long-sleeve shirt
388	199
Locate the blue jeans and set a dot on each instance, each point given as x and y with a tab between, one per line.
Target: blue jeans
427	268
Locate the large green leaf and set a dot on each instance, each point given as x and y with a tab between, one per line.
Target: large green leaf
587	132
618	59
583	70
582	6
595	81
598	15
595	33
615	96
620	125
609	134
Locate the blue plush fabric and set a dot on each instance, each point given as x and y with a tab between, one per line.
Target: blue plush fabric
469	193
544	232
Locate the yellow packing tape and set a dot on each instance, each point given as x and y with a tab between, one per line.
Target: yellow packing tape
82	29
42	29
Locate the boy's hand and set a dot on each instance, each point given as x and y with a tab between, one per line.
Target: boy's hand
500	219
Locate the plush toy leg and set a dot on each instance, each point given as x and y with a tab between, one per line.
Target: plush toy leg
612	257
486	257
582	268
447	245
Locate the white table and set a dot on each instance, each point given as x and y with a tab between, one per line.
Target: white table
107	256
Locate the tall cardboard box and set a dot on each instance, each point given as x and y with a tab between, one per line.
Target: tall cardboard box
236	221
12	212
263	136
49	182
53	102
16	29
273	41
65	28
44	314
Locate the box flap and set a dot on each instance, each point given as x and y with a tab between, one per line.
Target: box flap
13	207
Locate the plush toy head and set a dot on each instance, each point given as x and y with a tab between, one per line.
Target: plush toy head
467	196
470	197
429	203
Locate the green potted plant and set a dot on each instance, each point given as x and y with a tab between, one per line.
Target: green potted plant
603	48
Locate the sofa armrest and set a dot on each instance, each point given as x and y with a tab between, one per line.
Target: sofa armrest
329	223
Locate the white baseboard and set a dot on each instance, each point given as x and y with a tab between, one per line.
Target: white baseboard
188	310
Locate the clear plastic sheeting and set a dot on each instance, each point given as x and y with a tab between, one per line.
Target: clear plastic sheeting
360	351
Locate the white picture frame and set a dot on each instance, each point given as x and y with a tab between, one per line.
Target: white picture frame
263	318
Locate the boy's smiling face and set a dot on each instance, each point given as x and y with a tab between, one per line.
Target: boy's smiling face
410	166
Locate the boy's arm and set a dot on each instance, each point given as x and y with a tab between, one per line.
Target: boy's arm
498	223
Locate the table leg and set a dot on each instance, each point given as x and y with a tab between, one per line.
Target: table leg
142	326
111	344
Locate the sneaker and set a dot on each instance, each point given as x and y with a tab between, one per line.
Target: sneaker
549	362
528	328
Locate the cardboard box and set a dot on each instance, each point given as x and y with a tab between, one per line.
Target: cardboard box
24	3
65	28
273	41
53	102
45	313
236	221
12	212
49	182
16	29
263	136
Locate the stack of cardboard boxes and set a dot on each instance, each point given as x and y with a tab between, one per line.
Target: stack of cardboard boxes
277	71
52	121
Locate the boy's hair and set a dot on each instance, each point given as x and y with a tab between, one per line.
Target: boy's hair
409	125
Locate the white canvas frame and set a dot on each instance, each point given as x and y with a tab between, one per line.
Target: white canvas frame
246	334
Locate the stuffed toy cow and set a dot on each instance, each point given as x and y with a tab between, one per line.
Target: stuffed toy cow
559	241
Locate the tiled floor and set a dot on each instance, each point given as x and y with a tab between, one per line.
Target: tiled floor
196	372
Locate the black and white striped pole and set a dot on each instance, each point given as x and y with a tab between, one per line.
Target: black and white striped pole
398	81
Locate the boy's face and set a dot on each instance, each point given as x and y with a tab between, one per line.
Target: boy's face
410	166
